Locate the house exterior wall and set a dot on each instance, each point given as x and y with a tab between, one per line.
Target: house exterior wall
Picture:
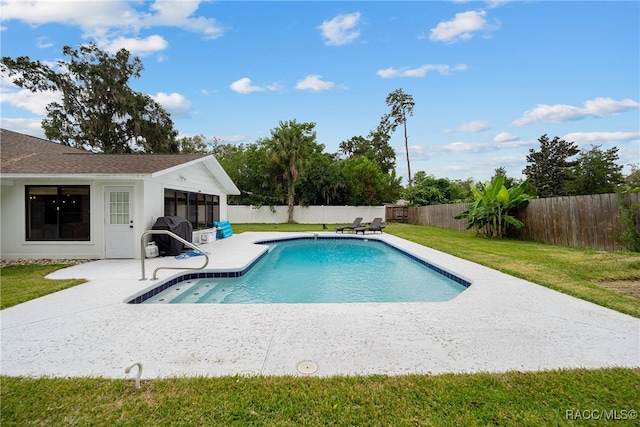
148	205
14	243
194	179
152	205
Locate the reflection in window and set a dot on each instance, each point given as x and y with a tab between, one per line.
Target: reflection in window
57	213
119	207
201	210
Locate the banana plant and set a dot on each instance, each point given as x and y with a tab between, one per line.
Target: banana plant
494	204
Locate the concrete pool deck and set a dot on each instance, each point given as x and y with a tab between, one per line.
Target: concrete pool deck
499	324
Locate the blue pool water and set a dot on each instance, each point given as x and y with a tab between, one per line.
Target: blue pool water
322	271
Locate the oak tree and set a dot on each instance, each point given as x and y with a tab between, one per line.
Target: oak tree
97	109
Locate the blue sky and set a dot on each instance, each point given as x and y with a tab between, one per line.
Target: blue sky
488	78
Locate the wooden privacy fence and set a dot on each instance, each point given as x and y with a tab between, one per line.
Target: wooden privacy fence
591	221
438	216
395	213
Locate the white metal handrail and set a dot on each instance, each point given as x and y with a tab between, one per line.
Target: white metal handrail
179	239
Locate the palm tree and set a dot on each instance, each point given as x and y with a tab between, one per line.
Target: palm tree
289	148
401	106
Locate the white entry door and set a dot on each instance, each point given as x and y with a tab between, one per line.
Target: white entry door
119	222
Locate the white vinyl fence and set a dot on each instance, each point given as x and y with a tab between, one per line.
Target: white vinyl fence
303	214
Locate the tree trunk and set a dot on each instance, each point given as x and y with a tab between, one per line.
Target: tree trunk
406	147
290	201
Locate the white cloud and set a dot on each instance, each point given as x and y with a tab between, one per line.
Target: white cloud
496	3
35	103
388	72
457	168
106	20
422	71
174	103
474	126
464	147
583	138
461	27
597	107
549	113
341	29
179	14
501	141
244	86
31	127
43	42
505	137
136	46
233	139
512	143
275	87
417	152
606	106
84	14
482	166
314	83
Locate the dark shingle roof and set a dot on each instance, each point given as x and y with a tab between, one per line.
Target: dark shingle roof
22	154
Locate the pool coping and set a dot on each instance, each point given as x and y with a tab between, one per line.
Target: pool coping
499	324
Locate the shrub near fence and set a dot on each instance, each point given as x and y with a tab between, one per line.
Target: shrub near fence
590	222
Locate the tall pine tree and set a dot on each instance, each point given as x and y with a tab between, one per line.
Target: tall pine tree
550	168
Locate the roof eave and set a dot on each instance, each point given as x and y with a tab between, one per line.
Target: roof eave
177	167
221	175
76	176
214	167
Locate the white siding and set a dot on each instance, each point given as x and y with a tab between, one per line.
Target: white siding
152	205
148	196
14	243
196	178
224	208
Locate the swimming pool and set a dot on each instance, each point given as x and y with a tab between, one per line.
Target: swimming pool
317	270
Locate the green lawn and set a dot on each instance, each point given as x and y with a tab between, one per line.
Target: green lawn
562	397
579	272
20	283
518	399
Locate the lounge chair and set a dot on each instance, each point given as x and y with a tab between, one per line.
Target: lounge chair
376	225
356	223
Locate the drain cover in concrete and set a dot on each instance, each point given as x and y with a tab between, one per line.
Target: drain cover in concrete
307	367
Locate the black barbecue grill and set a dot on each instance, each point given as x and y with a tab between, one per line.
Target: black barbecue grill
179	226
